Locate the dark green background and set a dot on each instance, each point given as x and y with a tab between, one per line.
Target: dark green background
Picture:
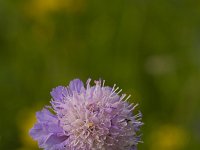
151	49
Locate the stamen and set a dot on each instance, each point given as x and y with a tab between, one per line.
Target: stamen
127	98
90	124
119	91
113	91
134	107
103	83
113	87
122	97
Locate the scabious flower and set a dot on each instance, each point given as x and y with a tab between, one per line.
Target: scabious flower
87	118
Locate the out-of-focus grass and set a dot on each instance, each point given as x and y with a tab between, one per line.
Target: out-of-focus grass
150	49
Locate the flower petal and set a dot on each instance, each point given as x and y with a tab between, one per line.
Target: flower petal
59	93
46	129
76	85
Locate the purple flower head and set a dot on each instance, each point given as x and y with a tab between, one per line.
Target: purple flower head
87	118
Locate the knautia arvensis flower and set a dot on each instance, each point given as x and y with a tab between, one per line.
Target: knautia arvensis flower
87	118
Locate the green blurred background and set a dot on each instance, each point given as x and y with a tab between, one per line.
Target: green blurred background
151	49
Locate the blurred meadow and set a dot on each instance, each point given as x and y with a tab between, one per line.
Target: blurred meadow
150	49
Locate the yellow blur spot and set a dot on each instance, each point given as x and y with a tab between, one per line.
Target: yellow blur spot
26	121
168	137
41	8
